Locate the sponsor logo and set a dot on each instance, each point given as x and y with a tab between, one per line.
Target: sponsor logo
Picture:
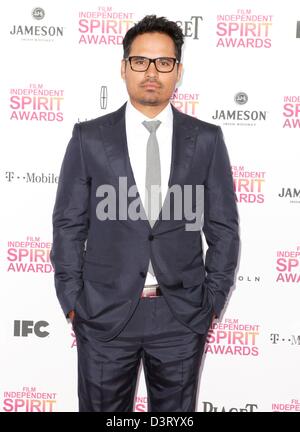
103	97
38	13
241	98
233	338
248	185
29	399
288	266
31	177
248	278
240	117
141	404
103	26
292	339
291	193
298	30
187	103
291	112
24	328
31	255
210	407
36	103
37	33
244	29
191	28
293	406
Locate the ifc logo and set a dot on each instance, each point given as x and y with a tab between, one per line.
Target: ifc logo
38	13
241	98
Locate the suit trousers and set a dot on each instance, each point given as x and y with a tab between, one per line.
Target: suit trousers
170	352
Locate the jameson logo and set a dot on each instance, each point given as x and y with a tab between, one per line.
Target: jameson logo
240	117
37	30
290	192
241	98
38	13
41	31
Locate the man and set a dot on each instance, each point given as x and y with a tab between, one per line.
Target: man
133	282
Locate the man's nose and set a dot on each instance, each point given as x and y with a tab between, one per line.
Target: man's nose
151	71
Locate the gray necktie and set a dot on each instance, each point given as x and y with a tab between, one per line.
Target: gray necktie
153	199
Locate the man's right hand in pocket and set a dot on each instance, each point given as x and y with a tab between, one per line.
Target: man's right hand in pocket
71	315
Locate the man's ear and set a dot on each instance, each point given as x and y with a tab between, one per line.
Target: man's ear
179	72
123	69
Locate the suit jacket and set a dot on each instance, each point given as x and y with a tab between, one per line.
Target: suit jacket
100	265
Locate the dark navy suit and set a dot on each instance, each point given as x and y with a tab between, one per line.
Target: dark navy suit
100	265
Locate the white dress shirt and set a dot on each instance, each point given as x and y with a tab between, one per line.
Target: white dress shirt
137	138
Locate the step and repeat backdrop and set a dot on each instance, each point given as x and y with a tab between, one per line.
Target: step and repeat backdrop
60	64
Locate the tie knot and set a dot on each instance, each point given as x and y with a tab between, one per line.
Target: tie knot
152	126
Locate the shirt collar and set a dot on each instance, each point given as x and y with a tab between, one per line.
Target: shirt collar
134	115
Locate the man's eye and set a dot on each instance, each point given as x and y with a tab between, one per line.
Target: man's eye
164	62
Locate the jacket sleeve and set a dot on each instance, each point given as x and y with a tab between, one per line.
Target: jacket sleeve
70	223
220	225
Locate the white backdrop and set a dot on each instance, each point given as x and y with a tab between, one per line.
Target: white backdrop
61	64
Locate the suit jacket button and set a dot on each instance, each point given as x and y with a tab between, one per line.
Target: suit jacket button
151	237
143	274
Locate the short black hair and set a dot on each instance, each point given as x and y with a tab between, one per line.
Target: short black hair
153	24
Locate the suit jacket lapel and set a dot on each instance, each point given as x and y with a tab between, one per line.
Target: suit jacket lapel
113	135
183	148
114	139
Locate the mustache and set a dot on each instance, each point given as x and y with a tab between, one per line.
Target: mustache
149	80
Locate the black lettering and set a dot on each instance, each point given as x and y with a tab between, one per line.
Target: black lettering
38	326
17	328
